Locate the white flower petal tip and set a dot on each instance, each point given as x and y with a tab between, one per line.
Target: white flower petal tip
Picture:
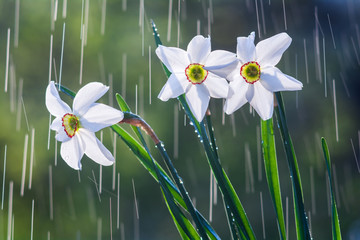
236	97
198	99
53	103
76	129
199	49
245	48
174	87
230	108
218	87
274	80
94	121
88	95
95	150
227	62
222	70
262	101
269	51
71	152
175	59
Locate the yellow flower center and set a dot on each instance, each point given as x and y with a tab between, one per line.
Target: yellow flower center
250	72
195	73
71	124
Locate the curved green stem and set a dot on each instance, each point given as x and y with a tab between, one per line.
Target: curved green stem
271	170
233	227
231	198
335	224
139	122
302	226
181	187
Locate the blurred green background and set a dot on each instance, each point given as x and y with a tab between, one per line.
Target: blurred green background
119	46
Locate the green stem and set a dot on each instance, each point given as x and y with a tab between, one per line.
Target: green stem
231	199
302	226
271	170
232	226
335	224
180	184
139	122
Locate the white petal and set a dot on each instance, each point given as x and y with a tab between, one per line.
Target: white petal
270	50
175	59
262	100
218	87
199	49
235	74
221	62
56	124
174	87
236	98
245	48
274	80
72	151
87	95
54	104
94	149
99	116
198	99
61	136
250	93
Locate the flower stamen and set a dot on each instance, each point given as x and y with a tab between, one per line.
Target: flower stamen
71	124
195	73
250	71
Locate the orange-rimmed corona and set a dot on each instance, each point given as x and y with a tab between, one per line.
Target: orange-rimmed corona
250	71
71	124
195	73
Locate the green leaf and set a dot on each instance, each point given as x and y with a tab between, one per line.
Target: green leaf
336	232
233	227
200	221
302	226
230	197
125	108
183	225
185	228
146	161
179	182
244	223
271	170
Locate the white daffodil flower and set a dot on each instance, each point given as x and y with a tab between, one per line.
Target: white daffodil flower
256	78
189	75
76	128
